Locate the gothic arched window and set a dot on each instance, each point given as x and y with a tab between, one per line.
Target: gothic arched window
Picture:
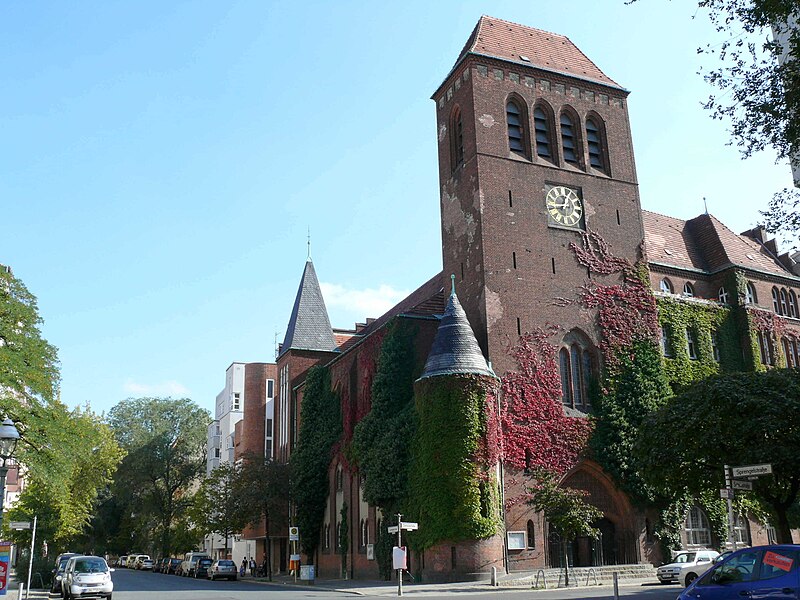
784	303
594	140
544	139
531	535
666	286
569	140
775	302
456	138
575	364
750	294
723	295
793	305
688	290
515	119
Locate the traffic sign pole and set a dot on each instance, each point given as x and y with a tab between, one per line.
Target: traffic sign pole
399	545
729	502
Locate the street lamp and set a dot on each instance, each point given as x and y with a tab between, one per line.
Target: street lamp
9	436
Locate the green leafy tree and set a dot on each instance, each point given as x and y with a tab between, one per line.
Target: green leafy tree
734	419
320	429
564	508
165	440
216	508
261	487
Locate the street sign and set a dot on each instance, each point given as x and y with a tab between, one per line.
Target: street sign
294	534
738	484
393	529
751	470
408	526
727	494
19	525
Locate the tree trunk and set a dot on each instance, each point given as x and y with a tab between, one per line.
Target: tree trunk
566	565
783	530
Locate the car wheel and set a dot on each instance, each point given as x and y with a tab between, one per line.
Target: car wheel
690	578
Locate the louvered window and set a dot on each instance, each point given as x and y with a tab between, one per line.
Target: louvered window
593	140
542	134
568	140
516	128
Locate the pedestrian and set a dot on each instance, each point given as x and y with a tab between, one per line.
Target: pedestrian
264	567
252	566
243	568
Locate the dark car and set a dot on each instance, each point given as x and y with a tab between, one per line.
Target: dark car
158	564
759	572
172	566
201	570
58	572
222	569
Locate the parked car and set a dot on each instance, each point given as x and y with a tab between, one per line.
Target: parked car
130	560
691	572
122	561
201	570
87	577
58	571
758	572
670	573
173	565
144	564
222	569
189	563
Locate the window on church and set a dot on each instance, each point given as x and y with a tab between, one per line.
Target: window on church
741	530
595	143
784	303
666	286
516	128
715	345
569	143
576	375
750	294
688	290
665	348
339	479
698	532
531	535
326	537
765	348
723	295
775	302
543	141
456	138
793	305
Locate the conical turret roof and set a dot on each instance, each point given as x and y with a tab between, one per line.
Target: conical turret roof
455	350
309	326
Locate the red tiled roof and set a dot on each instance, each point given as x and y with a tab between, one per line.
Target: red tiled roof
510	41
704	244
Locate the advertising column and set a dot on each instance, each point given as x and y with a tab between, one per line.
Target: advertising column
5	553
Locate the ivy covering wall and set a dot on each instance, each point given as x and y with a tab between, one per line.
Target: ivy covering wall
320	430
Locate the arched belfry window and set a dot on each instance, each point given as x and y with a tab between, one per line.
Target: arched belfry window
544	139
569	140
594	141
516	121
456	138
576	366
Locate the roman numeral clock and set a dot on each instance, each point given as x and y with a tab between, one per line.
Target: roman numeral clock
564	207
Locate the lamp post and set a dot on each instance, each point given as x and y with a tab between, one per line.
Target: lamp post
9	436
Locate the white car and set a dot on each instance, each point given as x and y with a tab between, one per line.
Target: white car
86	577
691	572
672	572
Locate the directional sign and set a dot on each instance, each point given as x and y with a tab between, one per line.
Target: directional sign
408	526
742	485
726	493
19	525
393	529
294	534
752	470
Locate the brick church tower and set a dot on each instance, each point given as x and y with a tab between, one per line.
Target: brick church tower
534	147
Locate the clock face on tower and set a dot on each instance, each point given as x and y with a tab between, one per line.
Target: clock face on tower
564	207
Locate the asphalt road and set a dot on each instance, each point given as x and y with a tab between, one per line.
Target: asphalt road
139	585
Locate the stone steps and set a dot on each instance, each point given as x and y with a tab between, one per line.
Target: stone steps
580	576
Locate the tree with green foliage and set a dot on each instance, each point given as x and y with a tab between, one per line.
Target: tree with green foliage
261	488
165	440
69	455
216	507
320	430
564	508
734	419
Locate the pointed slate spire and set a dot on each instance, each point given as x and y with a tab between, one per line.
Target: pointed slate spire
455	350
309	327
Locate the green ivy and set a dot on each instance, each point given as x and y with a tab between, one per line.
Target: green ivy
676	316
320	429
382	439
453	496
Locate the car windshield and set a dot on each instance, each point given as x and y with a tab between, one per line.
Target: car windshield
205	562
175	561
97	565
685	557
225	563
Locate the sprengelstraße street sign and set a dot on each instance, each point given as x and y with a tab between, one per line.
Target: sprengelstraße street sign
752	470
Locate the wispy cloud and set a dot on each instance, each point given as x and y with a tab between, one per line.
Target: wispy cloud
369	302
164	388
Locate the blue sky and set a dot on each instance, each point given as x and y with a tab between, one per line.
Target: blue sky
162	162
